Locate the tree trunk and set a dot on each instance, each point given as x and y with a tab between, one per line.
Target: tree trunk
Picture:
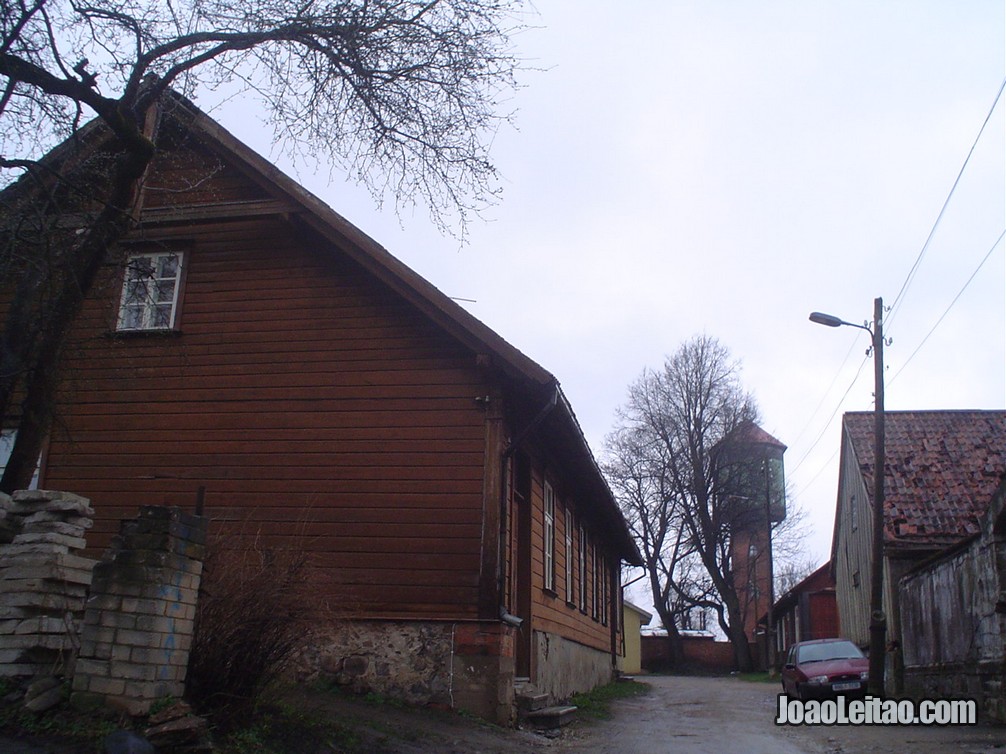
675	644
42	377
737	635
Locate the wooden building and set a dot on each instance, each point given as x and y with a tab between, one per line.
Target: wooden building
941	470
248	340
807	611
633	620
953	618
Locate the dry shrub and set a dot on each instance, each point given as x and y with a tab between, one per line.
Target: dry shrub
257	607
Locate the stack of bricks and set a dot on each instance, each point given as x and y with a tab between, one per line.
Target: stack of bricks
43	582
139	620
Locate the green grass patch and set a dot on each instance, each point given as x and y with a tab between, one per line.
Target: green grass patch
62	722
596	704
282	729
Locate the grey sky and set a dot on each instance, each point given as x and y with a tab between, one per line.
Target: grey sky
726	168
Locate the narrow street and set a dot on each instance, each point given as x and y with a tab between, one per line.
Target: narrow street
693	714
680	715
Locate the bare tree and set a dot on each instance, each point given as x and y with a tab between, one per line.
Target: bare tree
636	470
404	95
791	572
663	469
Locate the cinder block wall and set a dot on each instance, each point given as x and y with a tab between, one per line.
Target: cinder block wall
139	618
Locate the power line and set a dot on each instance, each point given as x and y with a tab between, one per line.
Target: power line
951	306
827	392
827	424
900	298
911	273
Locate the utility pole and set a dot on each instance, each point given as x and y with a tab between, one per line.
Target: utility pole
878	620
770	625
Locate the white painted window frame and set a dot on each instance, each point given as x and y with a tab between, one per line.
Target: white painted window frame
150	305
568	543
548	545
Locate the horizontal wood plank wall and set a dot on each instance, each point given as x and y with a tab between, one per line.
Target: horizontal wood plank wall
319	410
550	611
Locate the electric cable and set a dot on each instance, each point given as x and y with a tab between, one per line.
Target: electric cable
911	273
949	307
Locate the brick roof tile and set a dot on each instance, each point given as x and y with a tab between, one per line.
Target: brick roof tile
941	470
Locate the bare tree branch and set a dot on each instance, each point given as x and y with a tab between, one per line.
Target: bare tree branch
665	465
403	95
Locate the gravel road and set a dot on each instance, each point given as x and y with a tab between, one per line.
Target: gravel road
686	715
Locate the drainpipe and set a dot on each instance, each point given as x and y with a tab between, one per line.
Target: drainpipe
507	454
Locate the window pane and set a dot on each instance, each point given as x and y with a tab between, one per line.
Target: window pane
161	316
165	291
7	438
132	317
168	265
136	291
141	268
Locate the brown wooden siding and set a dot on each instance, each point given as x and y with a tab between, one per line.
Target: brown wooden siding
318	410
550	611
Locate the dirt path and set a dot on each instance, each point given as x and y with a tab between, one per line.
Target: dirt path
680	715
703	715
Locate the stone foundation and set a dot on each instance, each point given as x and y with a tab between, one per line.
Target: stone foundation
564	667
467	666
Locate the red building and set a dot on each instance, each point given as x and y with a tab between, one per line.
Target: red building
807	611
247	340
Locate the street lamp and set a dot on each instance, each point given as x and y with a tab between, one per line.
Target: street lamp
878	621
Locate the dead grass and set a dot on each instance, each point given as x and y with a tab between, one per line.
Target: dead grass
256	609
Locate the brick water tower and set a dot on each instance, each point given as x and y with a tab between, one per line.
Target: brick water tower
751	488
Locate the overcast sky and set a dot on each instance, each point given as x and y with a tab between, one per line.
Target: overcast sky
727	167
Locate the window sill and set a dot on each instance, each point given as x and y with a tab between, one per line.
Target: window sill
550	592
131	334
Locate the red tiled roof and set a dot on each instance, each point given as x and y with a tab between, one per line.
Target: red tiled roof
751	432
941	470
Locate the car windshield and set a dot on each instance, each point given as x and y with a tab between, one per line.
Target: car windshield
832	650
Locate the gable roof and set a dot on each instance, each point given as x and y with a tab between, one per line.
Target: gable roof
820	580
749	432
534	383
941	471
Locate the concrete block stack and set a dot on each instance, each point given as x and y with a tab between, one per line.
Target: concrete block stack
139	620
43	580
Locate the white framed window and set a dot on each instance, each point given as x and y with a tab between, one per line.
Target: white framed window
603	572
583	569
150	290
595	585
7	437
568	547
549	534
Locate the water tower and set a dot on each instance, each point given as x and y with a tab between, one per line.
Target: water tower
751	493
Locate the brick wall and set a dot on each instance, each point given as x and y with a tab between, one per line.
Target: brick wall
702	654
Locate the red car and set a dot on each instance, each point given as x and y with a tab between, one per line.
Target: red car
824	668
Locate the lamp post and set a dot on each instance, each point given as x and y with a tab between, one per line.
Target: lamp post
878	621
